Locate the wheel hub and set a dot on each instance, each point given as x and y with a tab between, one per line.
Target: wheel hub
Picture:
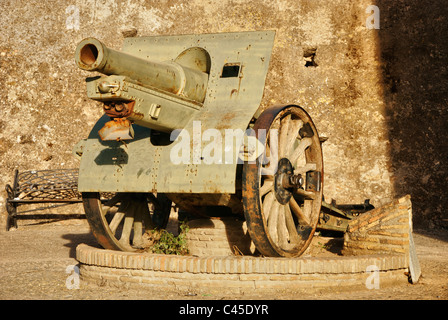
286	181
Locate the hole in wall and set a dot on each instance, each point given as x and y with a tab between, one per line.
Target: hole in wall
309	55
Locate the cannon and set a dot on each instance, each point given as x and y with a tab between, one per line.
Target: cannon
183	124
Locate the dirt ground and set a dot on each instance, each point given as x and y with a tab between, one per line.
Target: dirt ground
34	260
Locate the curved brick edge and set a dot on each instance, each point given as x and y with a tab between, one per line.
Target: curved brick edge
226	275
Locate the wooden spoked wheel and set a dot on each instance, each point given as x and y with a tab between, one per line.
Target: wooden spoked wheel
119	223
282	189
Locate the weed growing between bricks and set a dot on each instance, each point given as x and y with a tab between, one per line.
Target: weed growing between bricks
164	242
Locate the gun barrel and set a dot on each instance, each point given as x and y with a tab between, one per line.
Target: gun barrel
92	55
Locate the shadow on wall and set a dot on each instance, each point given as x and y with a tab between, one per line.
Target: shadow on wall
413	51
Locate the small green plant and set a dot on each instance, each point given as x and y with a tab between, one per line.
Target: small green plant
322	245
167	243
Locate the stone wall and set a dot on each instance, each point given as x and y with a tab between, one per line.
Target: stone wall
380	95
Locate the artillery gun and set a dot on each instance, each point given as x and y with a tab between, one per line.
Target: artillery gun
183	125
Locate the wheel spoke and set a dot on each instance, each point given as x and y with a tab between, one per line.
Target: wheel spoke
110	204
305	194
268	165
127	226
146	217
283	139
292	134
281	228
304	143
271	169
109	210
308	209
114	200
307	167
267	186
272	221
138	225
119	215
292	230
267	204
295	208
267	171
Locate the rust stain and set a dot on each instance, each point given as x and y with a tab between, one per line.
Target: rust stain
136	116
226	120
118	127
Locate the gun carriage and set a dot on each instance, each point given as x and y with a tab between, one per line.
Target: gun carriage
183	125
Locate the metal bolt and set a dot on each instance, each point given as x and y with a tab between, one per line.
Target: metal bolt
119	107
292	181
296	180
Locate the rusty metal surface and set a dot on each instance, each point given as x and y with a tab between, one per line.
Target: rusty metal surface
117	129
119	109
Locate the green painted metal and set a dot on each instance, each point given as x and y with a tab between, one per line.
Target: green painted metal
168	76
175	112
236	65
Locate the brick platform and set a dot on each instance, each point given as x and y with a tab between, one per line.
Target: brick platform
218	274
377	240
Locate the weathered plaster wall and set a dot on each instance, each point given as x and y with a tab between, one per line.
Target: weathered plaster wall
379	95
